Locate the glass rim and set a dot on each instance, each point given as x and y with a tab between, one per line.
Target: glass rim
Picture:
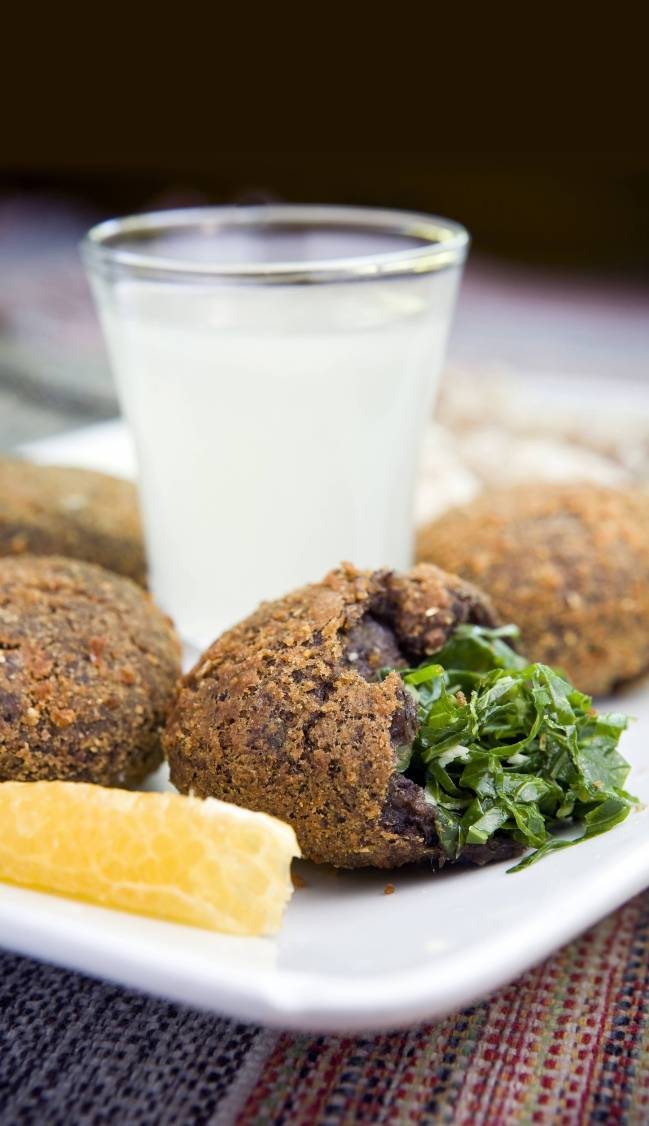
445	244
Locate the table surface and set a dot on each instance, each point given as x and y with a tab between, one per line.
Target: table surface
568	1043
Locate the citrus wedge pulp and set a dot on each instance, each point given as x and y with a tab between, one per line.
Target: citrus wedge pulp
201	862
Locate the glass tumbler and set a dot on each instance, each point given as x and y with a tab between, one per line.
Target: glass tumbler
277	366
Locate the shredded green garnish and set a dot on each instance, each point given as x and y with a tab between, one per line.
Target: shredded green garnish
512	748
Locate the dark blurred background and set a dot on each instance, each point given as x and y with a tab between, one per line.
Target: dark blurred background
557	283
576	211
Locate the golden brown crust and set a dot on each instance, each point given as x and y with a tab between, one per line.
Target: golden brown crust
276	715
88	669
54	510
568	563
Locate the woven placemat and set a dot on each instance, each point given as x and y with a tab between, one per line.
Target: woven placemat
566	1045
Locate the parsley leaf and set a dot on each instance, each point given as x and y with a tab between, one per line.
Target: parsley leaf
512	748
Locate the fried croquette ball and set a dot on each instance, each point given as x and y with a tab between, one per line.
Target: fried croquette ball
88	670
569	564
54	510
285	714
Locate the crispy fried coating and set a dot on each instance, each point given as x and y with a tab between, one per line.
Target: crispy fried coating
284	714
54	510
569	564
88	670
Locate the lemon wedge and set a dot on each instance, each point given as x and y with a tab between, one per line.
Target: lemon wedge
205	863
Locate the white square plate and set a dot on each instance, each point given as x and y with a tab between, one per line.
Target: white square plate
348	957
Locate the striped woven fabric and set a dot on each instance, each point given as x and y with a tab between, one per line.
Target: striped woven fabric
567	1044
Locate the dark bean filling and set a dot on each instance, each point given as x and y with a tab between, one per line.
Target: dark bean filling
371	645
406	811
